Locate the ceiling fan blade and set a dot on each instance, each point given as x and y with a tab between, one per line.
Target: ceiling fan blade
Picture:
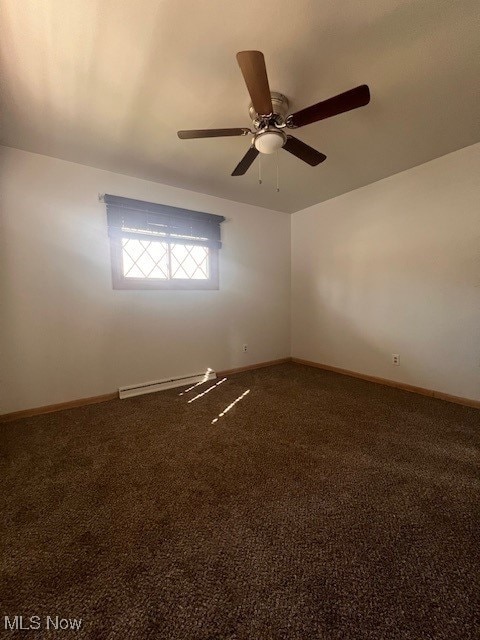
352	99
308	154
252	66
211	133
244	165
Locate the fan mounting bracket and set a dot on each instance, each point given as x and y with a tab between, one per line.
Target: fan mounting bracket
280	109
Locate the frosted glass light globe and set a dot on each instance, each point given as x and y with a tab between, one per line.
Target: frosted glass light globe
269	141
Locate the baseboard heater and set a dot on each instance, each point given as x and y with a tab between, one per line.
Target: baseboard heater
168	383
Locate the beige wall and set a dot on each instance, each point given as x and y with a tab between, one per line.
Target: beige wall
65	334
394	267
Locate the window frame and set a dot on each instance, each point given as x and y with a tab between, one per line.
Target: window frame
137	219
120	281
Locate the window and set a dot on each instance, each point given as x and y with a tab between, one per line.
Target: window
156	246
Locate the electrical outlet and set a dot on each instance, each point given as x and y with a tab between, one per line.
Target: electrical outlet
395	359
245	348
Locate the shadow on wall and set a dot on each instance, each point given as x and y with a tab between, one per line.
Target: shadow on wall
366	290
55	326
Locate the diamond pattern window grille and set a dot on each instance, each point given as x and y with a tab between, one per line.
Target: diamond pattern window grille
189	262
161	260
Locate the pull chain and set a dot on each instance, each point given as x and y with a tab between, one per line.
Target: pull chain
260	169
278	180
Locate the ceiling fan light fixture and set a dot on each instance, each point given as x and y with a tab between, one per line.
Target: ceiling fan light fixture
268	111
269	141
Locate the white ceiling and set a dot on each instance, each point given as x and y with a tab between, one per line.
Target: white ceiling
108	82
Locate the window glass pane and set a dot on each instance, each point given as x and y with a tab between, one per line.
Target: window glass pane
189	262
144	259
149	259
133	248
200	255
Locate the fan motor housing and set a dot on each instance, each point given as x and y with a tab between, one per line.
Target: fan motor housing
280	108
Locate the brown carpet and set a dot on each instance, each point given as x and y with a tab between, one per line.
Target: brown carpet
319	506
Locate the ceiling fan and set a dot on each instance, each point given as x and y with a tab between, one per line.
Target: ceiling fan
268	112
